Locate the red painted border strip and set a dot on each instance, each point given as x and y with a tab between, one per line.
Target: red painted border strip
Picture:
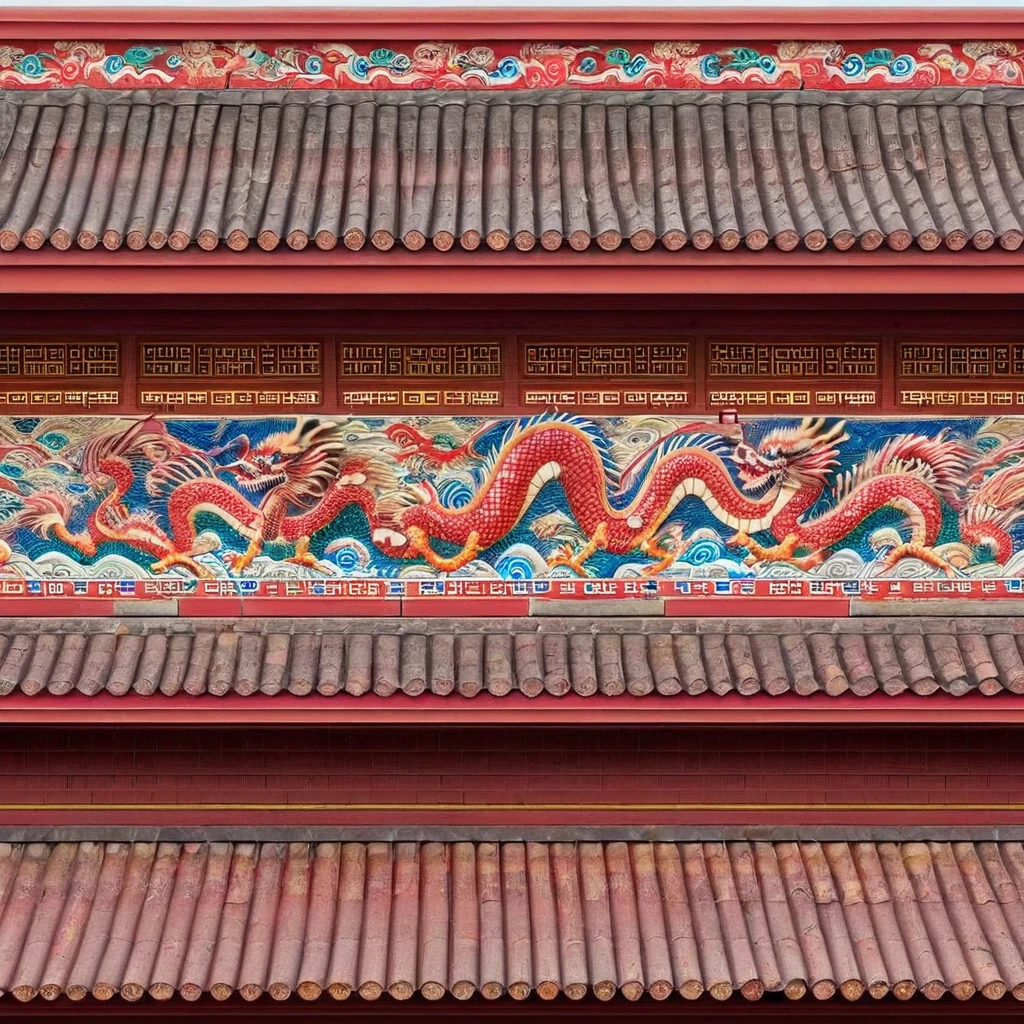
544	24
603	275
206	607
766	607
467	607
562	816
56	607
489	606
320	607
416	607
514	709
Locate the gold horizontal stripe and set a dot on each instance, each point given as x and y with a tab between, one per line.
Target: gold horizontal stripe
509	807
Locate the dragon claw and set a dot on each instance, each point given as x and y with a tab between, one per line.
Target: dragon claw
566	555
419	544
785	551
921	551
665	558
310	561
187	561
237	563
303	556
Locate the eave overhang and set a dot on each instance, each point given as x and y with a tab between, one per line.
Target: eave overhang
515	671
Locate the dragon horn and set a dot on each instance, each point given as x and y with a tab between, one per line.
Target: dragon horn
306	428
292	438
239	443
836	433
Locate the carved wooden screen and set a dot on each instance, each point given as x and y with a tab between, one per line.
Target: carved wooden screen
392	373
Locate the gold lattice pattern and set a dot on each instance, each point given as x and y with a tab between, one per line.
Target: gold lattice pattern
201	359
946	359
433	359
628	359
59	359
29	400
245	397
446	397
803	360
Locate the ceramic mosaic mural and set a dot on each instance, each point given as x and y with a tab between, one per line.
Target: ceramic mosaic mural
510	498
483	65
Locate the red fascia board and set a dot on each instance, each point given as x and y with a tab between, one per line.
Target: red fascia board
476	816
360	1011
529	24
622	273
514	709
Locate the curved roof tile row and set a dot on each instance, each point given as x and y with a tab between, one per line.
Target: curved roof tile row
235	169
511	918
586	657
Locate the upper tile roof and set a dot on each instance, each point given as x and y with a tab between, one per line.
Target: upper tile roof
511	918
239	167
557	657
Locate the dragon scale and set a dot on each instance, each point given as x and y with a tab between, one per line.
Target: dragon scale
545	452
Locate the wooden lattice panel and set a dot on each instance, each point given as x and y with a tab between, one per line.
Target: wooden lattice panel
625	359
457	360
230	375
230	359
50	359
792	375
525	374
797	360
968	375
970	360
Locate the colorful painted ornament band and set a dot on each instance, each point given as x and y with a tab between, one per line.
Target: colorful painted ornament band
503	66
523	498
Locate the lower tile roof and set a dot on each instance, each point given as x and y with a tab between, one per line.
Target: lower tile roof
511	918
557	657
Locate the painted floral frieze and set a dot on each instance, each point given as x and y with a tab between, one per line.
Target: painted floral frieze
506	66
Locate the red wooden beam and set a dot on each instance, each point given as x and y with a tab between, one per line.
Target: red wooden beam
357	1010
563	816
513	709
342	274
490	23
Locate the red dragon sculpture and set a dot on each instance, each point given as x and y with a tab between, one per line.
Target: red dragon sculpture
300	481
910	473
782	479
294	483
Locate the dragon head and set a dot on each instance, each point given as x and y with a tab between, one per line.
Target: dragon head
796	455
300	465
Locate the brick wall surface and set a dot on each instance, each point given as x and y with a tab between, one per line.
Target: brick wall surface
531	767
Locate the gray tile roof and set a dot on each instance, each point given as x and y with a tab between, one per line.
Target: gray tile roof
239	168
632	919
558	657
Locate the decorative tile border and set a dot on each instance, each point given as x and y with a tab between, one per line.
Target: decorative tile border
509	66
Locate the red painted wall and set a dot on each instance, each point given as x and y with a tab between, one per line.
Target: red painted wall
875	766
